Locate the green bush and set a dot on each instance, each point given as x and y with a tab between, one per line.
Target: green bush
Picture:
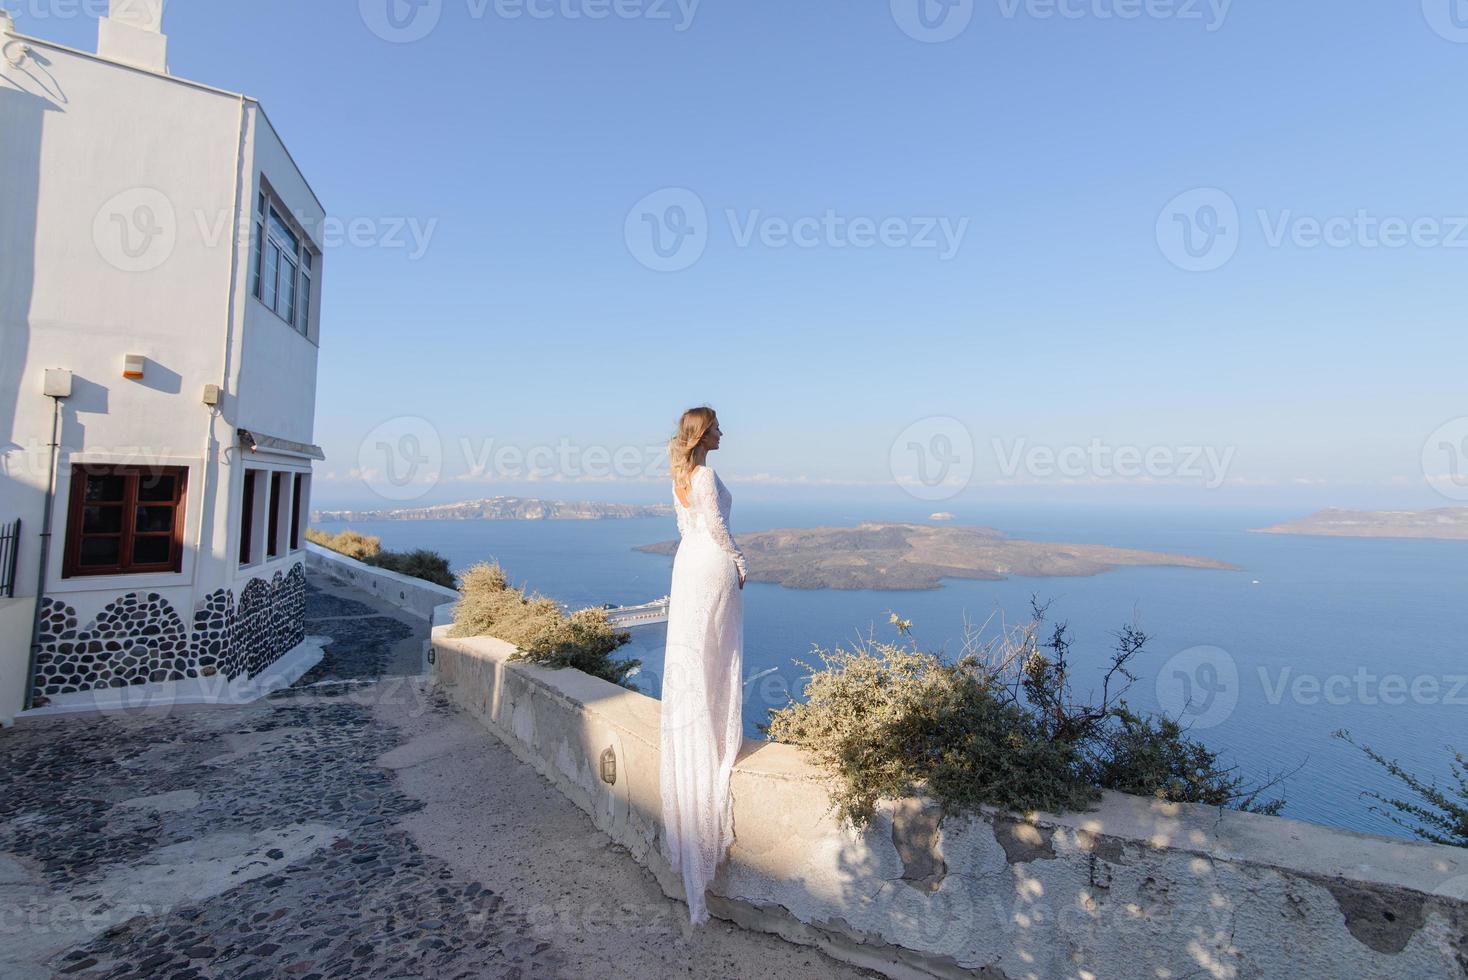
422	563
1437	815
999	727
490	606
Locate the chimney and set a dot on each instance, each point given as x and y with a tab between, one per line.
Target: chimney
132	33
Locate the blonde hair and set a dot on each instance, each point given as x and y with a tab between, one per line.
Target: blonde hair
692	427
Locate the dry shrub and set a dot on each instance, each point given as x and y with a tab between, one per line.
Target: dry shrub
999	727
490	606
348	542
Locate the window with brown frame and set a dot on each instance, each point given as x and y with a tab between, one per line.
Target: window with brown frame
125	520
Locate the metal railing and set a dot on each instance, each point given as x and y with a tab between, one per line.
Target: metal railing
9	552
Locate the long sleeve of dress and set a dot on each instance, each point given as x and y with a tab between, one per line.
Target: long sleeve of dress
703	497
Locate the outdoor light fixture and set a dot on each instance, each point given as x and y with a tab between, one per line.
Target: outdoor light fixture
609	765
133	365
58	383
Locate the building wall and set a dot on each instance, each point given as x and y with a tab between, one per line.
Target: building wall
125	227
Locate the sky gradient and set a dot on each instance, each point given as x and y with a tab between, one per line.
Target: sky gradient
869	242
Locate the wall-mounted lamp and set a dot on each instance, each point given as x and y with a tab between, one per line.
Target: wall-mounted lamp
133	366
58	383
609	765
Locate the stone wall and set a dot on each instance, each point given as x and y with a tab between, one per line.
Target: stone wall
411	594
1133	888
139	638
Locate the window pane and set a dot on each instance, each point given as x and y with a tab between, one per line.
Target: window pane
100	551
272	543
308	260
303	301
287	238
101	520
104	487
288	290
155	549
154	519
255	259
157	486
272	266
247	519
298	484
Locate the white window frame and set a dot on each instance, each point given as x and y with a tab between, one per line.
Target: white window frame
269	248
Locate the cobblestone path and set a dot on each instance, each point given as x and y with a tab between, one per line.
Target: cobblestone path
272	840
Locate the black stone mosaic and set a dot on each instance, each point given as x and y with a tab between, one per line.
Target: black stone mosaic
136	639
139	638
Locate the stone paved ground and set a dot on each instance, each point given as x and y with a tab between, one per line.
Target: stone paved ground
355	825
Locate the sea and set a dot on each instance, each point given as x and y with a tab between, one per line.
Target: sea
1311	636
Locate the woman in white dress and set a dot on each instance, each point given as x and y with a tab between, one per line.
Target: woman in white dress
702	674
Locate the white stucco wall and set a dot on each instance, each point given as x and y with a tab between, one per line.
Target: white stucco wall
125	224
1132	888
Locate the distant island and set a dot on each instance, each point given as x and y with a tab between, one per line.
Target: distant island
1444	523
941	515
920	556
502	509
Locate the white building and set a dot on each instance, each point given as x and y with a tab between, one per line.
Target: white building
160	276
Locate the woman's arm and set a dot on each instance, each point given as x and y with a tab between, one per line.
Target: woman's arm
705	500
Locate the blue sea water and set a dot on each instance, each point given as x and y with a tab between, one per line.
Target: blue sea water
1310	636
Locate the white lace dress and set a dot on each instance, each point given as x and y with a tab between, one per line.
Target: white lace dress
702	689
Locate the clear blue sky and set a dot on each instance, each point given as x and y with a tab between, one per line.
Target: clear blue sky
1060	320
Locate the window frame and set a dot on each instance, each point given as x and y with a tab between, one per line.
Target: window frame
271	251
72	567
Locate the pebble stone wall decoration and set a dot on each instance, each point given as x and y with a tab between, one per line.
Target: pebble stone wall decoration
138	638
